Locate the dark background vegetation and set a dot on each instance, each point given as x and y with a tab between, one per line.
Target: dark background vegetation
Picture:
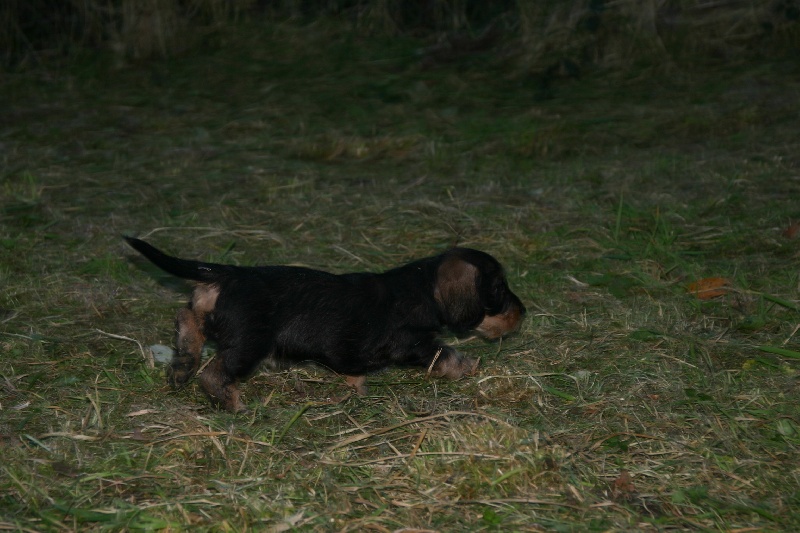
633	163
537	36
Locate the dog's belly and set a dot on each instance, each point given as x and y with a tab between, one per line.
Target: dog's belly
344	349
344	343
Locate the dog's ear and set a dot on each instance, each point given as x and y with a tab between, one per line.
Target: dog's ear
456	292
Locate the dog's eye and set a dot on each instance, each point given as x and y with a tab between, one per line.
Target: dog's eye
497	286
495	295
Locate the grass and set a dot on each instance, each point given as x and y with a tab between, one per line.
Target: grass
625	402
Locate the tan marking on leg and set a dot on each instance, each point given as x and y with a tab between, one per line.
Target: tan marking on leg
189	343
358	383
189	335
204	298
221	388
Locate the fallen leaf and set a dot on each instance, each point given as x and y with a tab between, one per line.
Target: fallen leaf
137	434
65	469
623	484
792	230
708	288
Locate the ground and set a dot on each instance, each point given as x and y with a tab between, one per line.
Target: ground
646	217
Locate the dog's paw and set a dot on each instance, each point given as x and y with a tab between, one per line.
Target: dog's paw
452	364
358	383
179	375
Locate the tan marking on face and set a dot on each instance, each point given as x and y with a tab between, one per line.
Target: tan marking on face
495	326
204	298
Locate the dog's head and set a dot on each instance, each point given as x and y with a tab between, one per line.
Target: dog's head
472	294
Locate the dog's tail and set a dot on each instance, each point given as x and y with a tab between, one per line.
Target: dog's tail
182	268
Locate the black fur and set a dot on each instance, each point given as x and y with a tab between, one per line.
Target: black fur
352	324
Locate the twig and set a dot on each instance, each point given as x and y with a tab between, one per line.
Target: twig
532	501
797	327
305	408
435	358
409	456
146	355
375	433
419	443
183	435
10	317
349	254
600	442
66	435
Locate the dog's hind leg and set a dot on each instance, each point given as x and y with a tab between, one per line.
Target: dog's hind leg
220	386
190	335
189	345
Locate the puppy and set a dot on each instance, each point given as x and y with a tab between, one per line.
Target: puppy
353	324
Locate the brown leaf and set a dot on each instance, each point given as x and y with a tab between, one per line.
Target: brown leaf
792	231
623	484
65	469
708	288
137	434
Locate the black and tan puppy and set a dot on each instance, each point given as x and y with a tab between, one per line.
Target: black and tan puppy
352	324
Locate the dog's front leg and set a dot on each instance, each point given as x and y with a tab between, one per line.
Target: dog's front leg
358	383
451	364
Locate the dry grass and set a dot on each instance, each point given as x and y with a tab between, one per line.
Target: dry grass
625	403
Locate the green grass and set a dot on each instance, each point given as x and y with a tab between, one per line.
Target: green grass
624	403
